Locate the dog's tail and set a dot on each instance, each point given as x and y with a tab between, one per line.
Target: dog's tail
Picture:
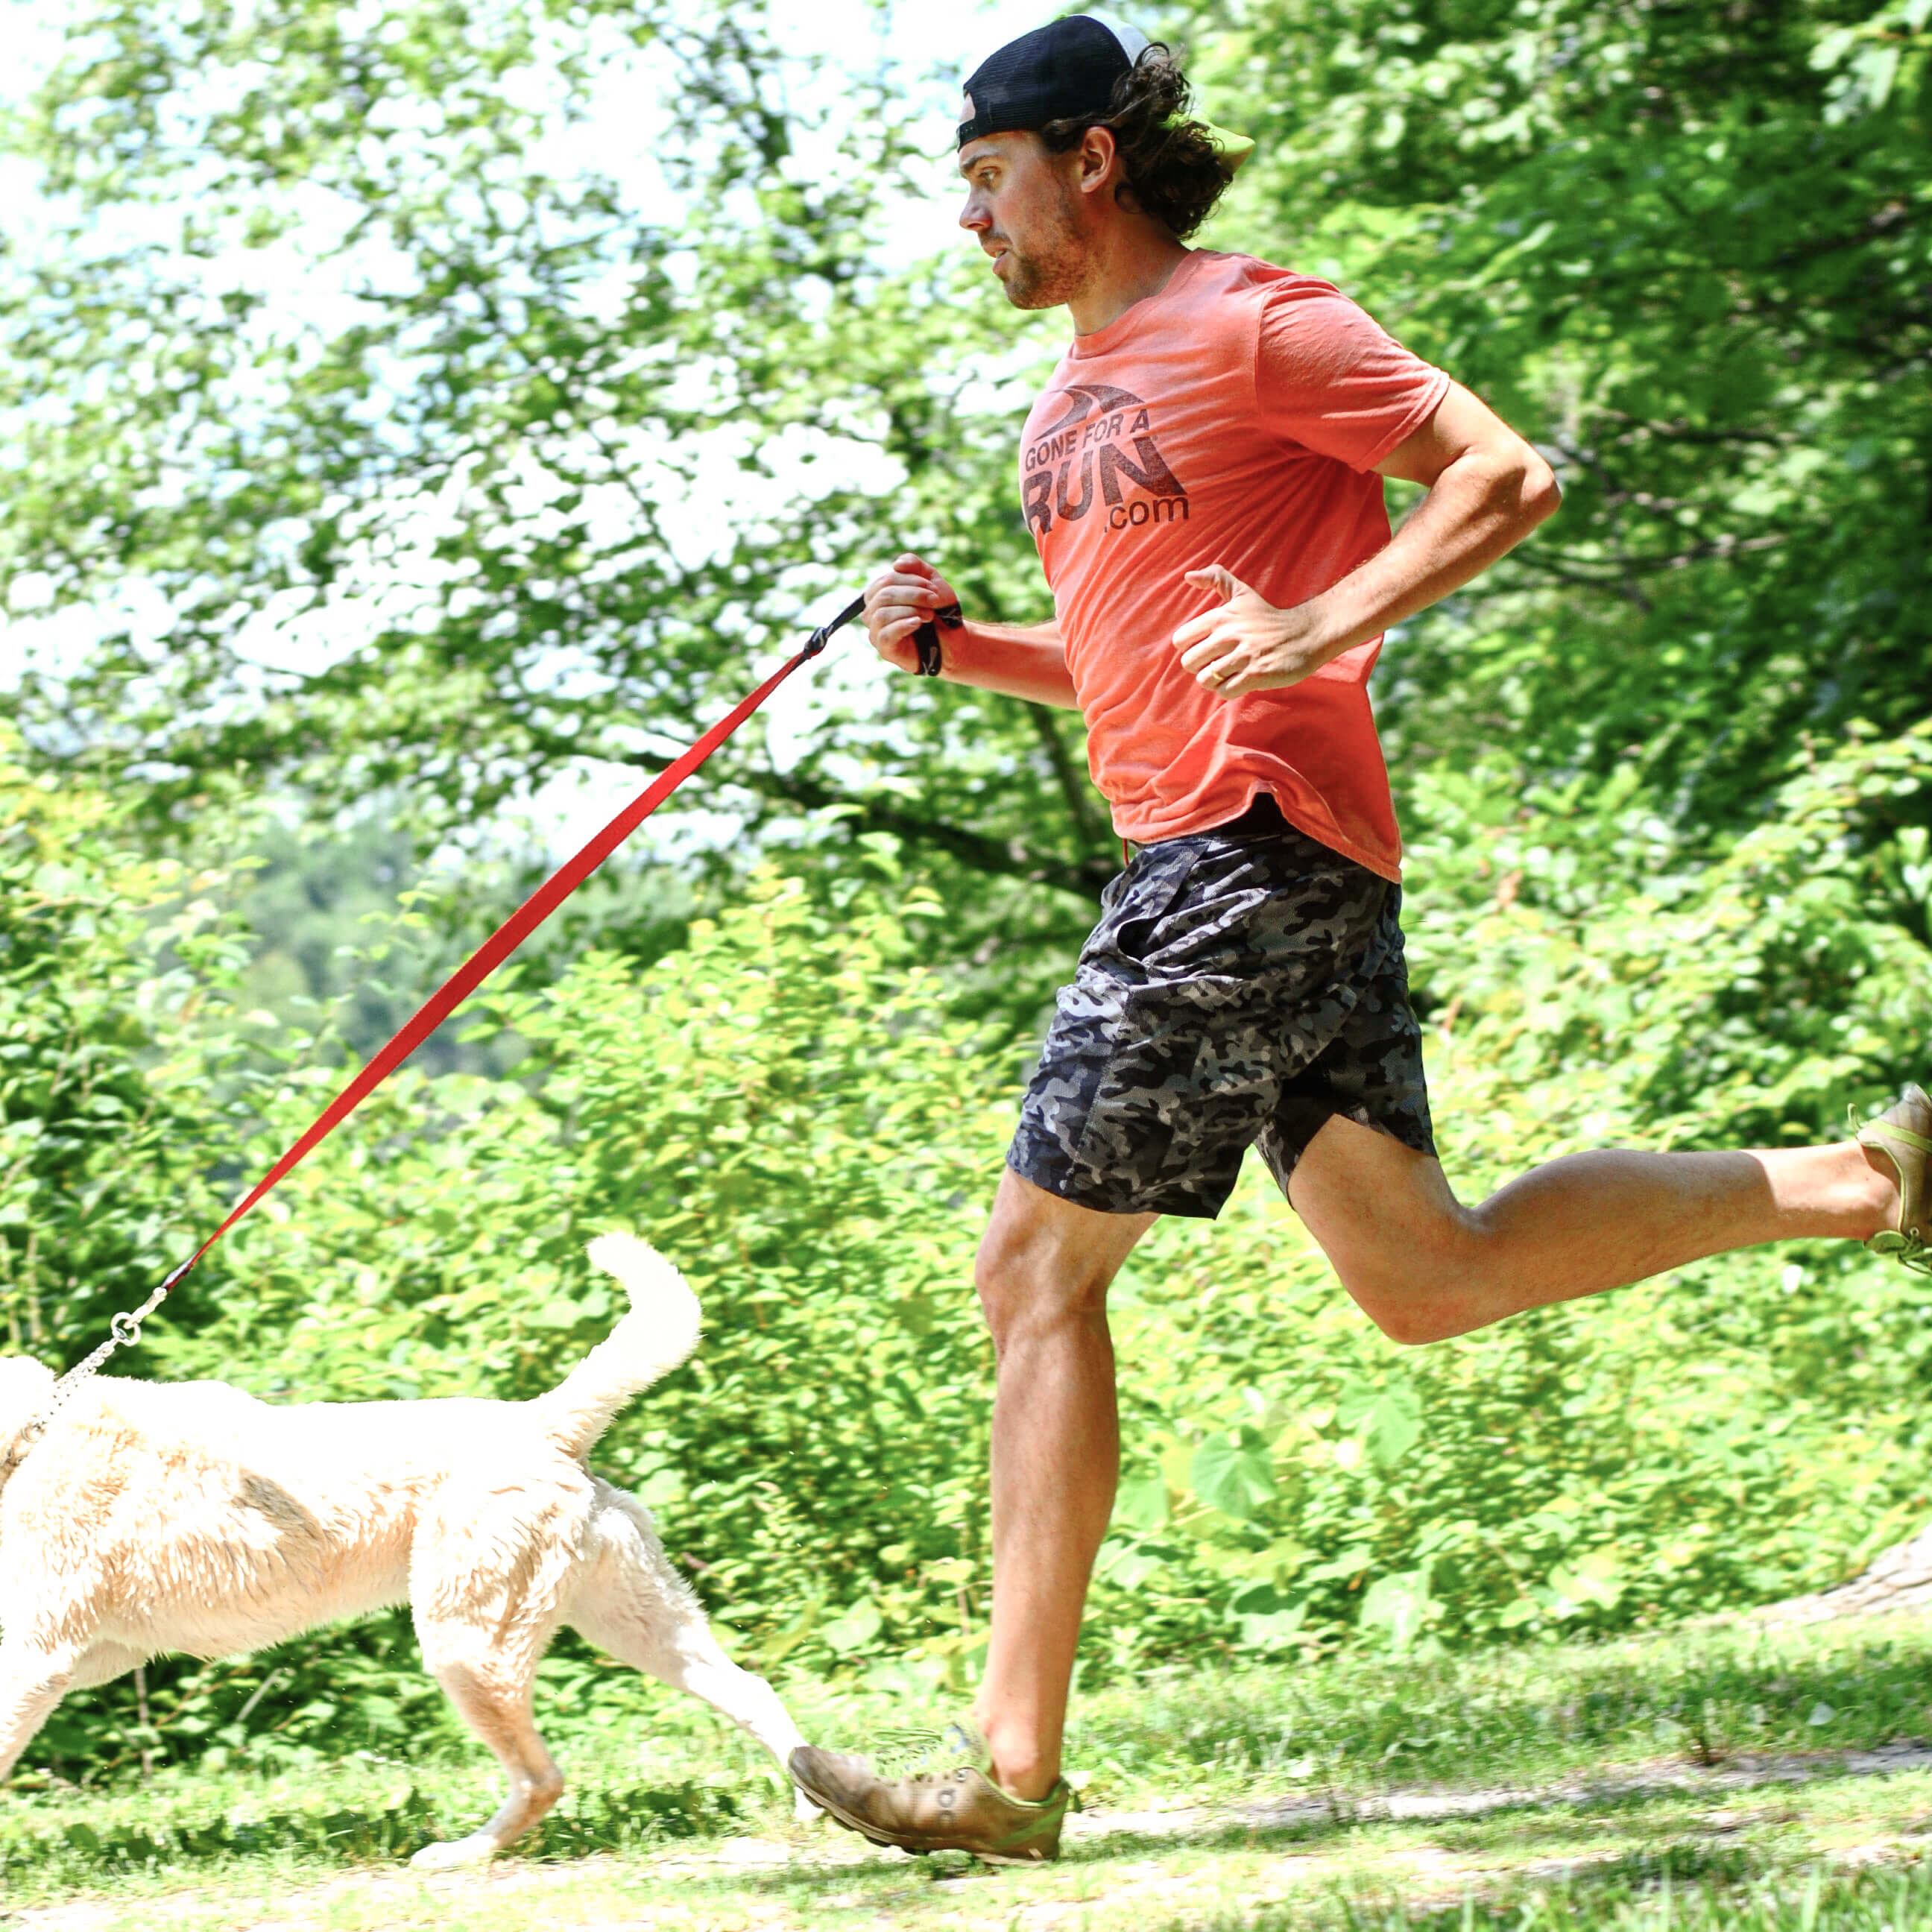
660	1330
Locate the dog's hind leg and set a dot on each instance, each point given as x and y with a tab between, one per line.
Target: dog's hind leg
486	1579
628	1599
497	1708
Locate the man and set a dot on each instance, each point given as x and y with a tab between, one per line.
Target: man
1203	479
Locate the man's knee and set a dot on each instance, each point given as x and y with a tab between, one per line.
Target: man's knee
1416	1290
1029	1288
1410	1318
1411	1288
1399	1242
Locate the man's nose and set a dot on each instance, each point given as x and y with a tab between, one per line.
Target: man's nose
974	216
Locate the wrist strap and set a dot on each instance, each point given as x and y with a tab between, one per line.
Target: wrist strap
926	640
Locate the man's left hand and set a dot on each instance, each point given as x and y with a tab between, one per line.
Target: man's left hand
1245	643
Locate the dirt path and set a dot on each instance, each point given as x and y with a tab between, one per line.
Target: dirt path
1151	1868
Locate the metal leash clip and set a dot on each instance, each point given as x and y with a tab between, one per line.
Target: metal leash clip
123	1332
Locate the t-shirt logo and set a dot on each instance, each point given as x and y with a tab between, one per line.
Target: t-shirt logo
1089	444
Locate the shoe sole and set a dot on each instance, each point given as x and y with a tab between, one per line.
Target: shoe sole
870	1834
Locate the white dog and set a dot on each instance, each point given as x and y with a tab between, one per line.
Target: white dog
189	1517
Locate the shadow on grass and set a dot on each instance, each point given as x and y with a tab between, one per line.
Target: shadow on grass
591	1820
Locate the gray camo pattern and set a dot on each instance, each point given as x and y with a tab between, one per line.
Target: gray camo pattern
1242	985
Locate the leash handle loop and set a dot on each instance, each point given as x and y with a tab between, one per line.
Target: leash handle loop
930	653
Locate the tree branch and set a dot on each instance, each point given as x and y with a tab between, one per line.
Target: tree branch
1073	785
1002	858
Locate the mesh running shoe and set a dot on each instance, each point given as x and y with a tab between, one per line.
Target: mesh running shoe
1903	1134
951	1805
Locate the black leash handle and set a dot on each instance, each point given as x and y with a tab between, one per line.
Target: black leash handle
926	639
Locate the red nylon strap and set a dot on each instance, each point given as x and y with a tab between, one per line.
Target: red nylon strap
505	940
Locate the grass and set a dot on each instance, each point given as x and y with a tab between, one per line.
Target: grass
1697	1779
1536	1713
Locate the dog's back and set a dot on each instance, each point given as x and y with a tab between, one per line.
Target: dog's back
195	1517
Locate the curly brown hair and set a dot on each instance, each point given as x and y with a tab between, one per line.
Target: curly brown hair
1170	162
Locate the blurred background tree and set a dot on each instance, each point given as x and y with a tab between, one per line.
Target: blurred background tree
1689	250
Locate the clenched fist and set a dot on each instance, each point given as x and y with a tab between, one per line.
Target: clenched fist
899	600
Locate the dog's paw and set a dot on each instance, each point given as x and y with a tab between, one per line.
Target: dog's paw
455	1854
803	1811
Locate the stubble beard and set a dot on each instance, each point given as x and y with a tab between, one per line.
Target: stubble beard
1053	269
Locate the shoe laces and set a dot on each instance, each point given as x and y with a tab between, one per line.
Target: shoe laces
1908	1250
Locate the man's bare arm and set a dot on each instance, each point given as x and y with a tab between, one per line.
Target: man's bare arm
1487	491
1022	660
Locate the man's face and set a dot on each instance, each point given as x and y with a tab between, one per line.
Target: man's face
1022	203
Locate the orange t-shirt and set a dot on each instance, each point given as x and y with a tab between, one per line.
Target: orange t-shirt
1235	418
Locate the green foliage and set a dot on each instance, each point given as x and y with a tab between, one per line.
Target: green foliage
576	447
572	454
349	929
1686	251
107	960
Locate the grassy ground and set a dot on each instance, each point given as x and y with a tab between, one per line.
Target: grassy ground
1713	1778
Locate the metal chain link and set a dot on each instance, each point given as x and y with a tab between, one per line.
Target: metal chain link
123	1332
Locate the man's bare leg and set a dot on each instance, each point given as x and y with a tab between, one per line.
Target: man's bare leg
1422	1266
1043	1272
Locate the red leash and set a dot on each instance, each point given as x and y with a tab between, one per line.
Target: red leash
441	1003
517	928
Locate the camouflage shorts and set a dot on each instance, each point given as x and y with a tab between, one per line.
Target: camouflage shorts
1242	985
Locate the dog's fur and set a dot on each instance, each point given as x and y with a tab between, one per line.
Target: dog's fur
190	1517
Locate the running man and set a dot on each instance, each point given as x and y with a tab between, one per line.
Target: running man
1203	477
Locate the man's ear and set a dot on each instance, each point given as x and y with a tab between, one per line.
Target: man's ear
1099	161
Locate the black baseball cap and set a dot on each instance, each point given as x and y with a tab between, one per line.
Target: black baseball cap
1060	72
